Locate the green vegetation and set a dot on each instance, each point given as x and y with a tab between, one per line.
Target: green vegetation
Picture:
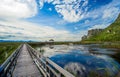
111	33
110	36
6	49
34	44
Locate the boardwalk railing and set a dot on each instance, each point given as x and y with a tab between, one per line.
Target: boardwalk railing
8	66
47	67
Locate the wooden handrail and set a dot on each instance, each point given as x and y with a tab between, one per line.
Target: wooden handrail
60	69
47	63
44	64
6	66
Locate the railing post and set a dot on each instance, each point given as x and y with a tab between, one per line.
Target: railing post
8	66
47	66
10	73
47	69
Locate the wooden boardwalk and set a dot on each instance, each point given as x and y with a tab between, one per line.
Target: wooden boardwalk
25	66
25	61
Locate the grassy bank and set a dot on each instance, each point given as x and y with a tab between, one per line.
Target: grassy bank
6	49
111	46
115	44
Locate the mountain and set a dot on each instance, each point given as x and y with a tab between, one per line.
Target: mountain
16	41
109	34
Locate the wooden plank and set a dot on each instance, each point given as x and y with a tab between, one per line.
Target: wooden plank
25	66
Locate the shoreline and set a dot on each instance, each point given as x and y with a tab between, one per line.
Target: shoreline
104	44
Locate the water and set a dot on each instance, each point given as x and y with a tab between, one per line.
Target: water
84	60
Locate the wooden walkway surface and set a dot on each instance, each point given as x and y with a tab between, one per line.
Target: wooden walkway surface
25	66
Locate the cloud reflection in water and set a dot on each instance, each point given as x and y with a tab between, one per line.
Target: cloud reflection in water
80	61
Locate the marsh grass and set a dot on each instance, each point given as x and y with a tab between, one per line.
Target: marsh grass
6	49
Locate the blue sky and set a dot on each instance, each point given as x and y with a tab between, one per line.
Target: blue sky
62	20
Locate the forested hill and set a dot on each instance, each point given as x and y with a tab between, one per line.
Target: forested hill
111	33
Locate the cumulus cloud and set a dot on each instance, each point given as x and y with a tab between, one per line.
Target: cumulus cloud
76	10
15	29
17	8
71	10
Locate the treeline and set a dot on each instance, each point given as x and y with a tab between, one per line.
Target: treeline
54	43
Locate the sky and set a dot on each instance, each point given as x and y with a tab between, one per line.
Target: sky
61	20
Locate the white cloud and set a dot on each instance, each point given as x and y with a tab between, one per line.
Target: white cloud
99	26
15	29
86	21
41	2
110	12
21	30
61	22
69	9
17	8
50	9
76	10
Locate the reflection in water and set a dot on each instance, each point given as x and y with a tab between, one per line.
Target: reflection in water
76	69
83	60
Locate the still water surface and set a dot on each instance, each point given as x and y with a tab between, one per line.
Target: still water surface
84	60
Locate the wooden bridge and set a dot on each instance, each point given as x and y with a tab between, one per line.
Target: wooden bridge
28	62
